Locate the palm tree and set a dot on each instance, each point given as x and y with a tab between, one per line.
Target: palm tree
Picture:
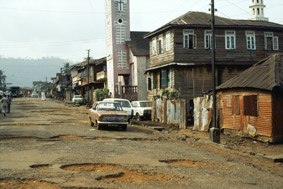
2	79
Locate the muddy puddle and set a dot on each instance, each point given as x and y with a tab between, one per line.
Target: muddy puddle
118	174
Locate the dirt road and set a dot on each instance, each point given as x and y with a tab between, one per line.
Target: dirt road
47	144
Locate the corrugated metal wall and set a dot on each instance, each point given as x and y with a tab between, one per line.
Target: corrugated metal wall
262	123
169	112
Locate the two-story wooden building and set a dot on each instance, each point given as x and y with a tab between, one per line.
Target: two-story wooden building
180	52
90	76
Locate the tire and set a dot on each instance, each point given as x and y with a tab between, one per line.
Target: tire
91	123
124	128
138	117
99	127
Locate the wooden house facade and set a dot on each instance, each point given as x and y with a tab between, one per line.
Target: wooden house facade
250	104
180	52
89	76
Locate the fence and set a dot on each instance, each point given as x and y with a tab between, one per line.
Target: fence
169	112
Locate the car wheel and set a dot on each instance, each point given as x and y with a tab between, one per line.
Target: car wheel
91	123
99	127
138	117
124	128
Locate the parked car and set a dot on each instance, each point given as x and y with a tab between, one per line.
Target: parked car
108	114
77	98
142	109
126	105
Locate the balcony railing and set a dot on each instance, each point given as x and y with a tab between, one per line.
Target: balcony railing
101	76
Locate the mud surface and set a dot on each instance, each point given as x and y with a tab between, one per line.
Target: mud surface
49	144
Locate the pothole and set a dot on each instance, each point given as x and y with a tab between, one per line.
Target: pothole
68	137
190	163
26	183
40	166
117	174
17	138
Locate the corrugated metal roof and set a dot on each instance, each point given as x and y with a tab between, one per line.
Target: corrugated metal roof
91	62
266	74
138	45
201	19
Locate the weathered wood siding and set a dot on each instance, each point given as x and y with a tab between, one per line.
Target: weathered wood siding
166	56
240	55
262	122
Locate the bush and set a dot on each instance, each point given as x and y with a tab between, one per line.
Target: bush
101	94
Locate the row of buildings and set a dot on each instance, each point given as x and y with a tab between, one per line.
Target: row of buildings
175	56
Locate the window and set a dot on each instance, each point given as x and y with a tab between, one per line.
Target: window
153	81
160	44
170	77
235	105
228	101
275	43
168	41
120	31
250	38
149	84
207	39
189	39
230	39
250	105
164	79
122	60
154	46
271	42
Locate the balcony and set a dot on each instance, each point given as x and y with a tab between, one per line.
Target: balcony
101	76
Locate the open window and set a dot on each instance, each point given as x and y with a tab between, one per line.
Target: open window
250	105
189	39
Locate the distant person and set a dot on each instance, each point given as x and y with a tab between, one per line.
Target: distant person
4	104
9	103
43	96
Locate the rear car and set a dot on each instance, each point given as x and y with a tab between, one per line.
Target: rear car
108	114
77	98
142	109
126	105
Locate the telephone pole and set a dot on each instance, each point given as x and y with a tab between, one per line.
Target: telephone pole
88	101
214	131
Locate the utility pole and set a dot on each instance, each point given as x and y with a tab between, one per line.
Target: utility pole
88	50
214	131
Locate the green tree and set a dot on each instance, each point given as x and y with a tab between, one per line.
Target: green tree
2	78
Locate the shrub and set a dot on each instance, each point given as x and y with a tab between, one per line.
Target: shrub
101	94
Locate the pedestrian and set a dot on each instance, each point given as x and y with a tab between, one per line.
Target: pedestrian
9	103
4	104
43	96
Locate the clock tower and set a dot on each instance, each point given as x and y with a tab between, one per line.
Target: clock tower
117	53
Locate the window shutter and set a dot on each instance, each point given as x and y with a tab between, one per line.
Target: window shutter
250	105
164	79
195	41
152	87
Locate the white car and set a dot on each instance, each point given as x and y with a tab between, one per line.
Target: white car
142	109
77	98
126	105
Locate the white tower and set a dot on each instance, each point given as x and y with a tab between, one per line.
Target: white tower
117	31
258	10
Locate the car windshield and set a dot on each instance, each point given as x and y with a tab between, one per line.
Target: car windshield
109	107
146	104
124	104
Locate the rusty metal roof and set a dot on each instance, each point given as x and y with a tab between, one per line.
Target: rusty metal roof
266	74
138	45
91	62
201	19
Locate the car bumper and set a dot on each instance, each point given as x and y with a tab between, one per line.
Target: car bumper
112	123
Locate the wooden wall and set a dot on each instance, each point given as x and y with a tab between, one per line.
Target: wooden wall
263	122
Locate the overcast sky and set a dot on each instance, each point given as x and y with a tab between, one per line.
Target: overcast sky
66	28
